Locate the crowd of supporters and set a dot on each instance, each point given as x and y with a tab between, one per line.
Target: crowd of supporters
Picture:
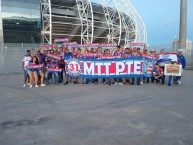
45	60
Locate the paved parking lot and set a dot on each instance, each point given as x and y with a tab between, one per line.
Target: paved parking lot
96	114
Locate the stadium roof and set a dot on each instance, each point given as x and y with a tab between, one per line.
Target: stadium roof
84	21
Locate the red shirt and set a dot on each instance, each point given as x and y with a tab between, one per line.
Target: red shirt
52	65
135	54
118	54
158	71
140	54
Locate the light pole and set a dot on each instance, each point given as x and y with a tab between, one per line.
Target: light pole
183	24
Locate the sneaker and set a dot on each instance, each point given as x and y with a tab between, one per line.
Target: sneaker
31	86
36	86
42	85
121	84
141	83
175	82
169	84
24	85
179	82
115	83
65	83
28	84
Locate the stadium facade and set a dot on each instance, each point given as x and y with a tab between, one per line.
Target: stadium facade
83	21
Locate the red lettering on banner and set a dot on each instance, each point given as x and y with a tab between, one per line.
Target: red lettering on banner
112	68
103	69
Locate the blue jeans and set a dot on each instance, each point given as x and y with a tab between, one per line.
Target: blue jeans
55	76
90	80
25	74
175	80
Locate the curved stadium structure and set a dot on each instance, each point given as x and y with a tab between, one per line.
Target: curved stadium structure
84	21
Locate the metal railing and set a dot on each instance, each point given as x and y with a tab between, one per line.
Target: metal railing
13	53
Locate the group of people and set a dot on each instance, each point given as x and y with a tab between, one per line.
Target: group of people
38	69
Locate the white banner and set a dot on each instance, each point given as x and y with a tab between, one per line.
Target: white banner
166	58
173	70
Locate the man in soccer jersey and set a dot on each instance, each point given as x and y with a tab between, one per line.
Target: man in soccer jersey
134	54
67	55
52	65
158	74
118	54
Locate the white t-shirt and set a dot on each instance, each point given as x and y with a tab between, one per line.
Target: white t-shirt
26	60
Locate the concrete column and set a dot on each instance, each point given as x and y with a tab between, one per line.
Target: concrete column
183	23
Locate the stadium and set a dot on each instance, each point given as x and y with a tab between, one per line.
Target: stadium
83	21
27	24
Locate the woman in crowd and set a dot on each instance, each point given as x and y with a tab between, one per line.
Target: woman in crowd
33	70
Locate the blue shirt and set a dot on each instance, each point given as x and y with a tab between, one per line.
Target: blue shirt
67	56
42	56
182	60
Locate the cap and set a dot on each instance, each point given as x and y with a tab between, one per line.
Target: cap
180	50
152	50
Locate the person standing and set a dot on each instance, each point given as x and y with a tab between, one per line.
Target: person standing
135	54
67	55
27	58
162	64
61	64
118	54
182	61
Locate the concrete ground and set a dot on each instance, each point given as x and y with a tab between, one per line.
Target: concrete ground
96	114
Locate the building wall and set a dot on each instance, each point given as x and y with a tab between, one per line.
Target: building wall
21	21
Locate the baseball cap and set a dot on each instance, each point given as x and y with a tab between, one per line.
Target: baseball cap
180	50
152	50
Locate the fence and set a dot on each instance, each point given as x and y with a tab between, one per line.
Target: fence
12	54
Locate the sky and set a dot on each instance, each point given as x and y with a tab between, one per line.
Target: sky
162	18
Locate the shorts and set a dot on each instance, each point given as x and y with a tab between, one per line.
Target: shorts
29	71
38	72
